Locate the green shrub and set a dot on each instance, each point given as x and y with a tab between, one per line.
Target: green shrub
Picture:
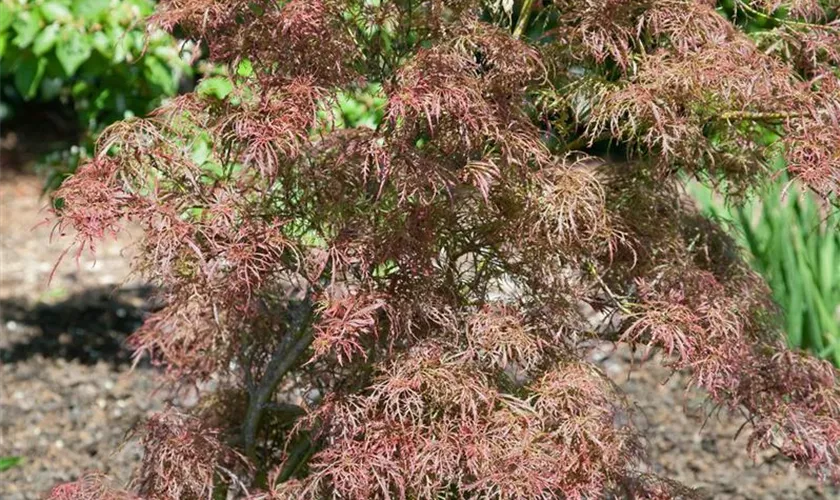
792	240
93	56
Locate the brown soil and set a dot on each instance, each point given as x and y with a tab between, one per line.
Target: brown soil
689	441
68	395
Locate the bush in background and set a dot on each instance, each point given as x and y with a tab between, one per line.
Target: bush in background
94	57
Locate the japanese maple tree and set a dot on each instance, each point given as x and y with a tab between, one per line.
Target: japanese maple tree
394	310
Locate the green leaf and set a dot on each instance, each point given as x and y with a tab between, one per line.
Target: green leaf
73	50
157	73
212	171
51	88
28	76
102	44
245	69
45	40
79	88
55	11
7	15
201	151
5	111
118	40
7	463
27	25
90	9
217	86
828	263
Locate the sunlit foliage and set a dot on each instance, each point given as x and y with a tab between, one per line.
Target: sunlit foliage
394	311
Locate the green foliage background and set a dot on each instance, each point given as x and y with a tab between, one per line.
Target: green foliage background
92	56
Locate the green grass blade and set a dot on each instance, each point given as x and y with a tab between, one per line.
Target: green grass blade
7	463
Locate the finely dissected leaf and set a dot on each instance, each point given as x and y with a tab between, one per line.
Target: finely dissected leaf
384	237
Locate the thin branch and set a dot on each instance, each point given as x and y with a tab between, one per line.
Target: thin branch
761	115
298	456
283	359
584	141
746	7
618	303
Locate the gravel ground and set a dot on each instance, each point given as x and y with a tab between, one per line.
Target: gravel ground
702	451
68	396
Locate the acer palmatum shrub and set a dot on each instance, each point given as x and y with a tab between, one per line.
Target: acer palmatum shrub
395	311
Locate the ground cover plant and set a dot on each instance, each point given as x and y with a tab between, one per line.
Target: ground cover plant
394	307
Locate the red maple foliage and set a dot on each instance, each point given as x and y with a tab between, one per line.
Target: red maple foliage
394	311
